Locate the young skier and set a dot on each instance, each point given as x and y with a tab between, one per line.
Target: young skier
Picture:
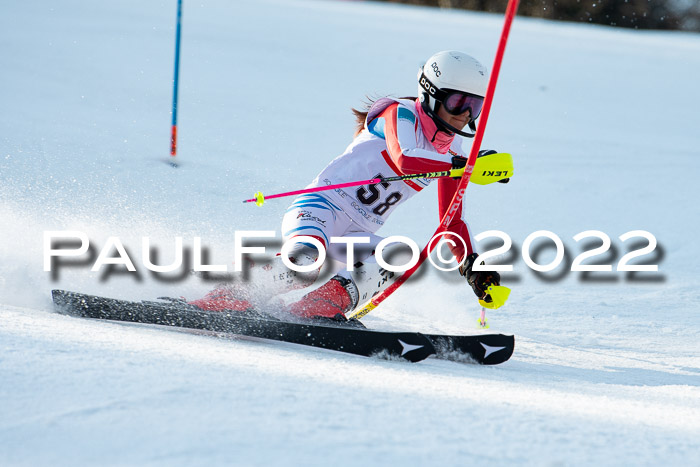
394	137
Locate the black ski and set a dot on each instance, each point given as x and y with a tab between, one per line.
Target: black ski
411	346
486	349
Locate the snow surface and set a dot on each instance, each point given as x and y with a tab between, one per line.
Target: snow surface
603	127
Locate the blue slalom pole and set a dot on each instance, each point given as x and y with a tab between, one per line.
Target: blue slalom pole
173	137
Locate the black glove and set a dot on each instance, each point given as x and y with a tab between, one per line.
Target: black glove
479	280
458	162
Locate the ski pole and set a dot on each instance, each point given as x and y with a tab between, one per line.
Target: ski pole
459	192
259	199
491	168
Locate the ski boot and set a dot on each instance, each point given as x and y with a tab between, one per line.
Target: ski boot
329	303
223	298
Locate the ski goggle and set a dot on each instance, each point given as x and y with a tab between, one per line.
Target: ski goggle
457	102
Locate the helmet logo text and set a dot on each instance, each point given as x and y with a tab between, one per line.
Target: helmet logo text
427	86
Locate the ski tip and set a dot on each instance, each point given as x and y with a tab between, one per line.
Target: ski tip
482	349
498	352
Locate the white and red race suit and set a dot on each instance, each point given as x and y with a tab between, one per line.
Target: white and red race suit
398	139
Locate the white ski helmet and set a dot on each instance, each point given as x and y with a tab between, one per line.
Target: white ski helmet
455	80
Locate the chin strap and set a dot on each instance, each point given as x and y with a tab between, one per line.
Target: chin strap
441	124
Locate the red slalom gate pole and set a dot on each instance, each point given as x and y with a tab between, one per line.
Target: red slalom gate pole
464	181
